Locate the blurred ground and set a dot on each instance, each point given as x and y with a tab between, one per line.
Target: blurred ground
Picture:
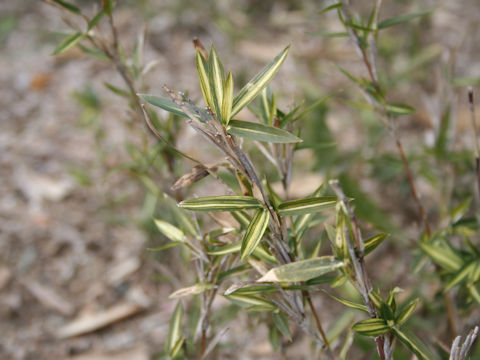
75	278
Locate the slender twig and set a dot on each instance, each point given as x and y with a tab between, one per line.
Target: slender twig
358	262
475	140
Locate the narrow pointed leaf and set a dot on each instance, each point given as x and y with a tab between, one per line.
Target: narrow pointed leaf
281	322
191	290
414	344
399	109
227	99
463	274
221	203
216	80
443	256
331	7
401	19
249	301
176	348
170	231
96	19
235	247
67	43
163	103
349	303
407	312
371	327
302	270
175	328
254	232
70	7
202	70
254	86
307	205
372	243
260	132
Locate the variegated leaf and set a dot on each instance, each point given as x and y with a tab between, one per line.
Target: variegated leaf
307	205
254	232
302	270
254	86
221	203
261	132
170	231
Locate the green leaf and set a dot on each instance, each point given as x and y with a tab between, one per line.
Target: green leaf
191	290
67	43
221	203
234	247
107	6
349	303
401	19
307	205
95	53
371	327
70	7
202	70
183	219
458	212
96	19
175	328
281	322
176	348
163	103
302	270
312	107
254	86
216	79
165	247
331	7
117	90
254	232
443	256
407	312
260	132
464	273
373	242
227	101
170	231
251	301
414	344
399	109
330	34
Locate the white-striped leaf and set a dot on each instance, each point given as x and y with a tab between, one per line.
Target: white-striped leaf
202	70
221	203
191	290
163	103
170	231
254	86
227	99
251	302
407	312
234	247
414	344
443	256
175	328
302	270
254	232
372	243
216	78
307	205
371	327
260	132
